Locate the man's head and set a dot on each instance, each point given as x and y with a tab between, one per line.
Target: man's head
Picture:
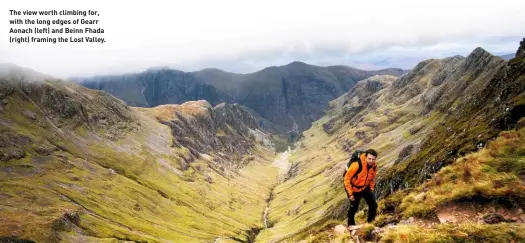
371	156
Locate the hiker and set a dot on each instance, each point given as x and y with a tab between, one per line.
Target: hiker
359	181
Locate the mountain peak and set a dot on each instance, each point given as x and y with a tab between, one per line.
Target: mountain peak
215	70
478	55
297	63
479	52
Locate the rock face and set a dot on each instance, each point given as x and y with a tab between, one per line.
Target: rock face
521	50
54	106
286	98
361	97
63	103
157	87
204	129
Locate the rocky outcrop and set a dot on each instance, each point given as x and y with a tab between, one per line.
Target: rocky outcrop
45	104
404	154
361	97
521	50
226	130
451	80
63	103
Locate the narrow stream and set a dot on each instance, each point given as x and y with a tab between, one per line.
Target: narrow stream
284	165
281	162
266	217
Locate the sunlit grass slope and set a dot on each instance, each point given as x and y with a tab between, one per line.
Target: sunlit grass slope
76	183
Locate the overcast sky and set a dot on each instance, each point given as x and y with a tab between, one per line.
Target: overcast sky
245	36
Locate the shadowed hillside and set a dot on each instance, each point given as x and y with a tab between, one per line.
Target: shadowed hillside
283	99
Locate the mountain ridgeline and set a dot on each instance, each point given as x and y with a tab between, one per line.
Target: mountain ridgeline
479	113
285	98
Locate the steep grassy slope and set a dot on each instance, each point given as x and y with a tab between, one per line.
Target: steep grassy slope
457	204
78	165
283	99
494	175
409	120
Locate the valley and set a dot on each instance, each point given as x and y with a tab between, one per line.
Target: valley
190	157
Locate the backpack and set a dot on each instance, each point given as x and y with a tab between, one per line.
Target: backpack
355	158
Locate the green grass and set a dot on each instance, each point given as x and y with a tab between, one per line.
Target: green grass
145	200
502	163
316	195
457	233
469	178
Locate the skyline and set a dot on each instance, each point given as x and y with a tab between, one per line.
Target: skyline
241	37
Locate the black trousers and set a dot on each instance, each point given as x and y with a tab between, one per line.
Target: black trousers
370	199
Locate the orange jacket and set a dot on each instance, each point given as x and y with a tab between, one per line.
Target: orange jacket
364	178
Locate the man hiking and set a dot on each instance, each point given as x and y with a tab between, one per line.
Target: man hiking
359	181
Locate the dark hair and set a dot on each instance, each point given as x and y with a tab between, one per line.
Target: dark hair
372	152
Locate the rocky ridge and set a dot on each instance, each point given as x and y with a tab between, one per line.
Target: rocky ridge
283	99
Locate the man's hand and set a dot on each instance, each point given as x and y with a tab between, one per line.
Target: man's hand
351	198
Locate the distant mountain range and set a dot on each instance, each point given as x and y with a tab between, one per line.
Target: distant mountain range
507	57
282	98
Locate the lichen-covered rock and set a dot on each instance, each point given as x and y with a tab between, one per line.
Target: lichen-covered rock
404	153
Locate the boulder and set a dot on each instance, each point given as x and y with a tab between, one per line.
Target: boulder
29	114
111	171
